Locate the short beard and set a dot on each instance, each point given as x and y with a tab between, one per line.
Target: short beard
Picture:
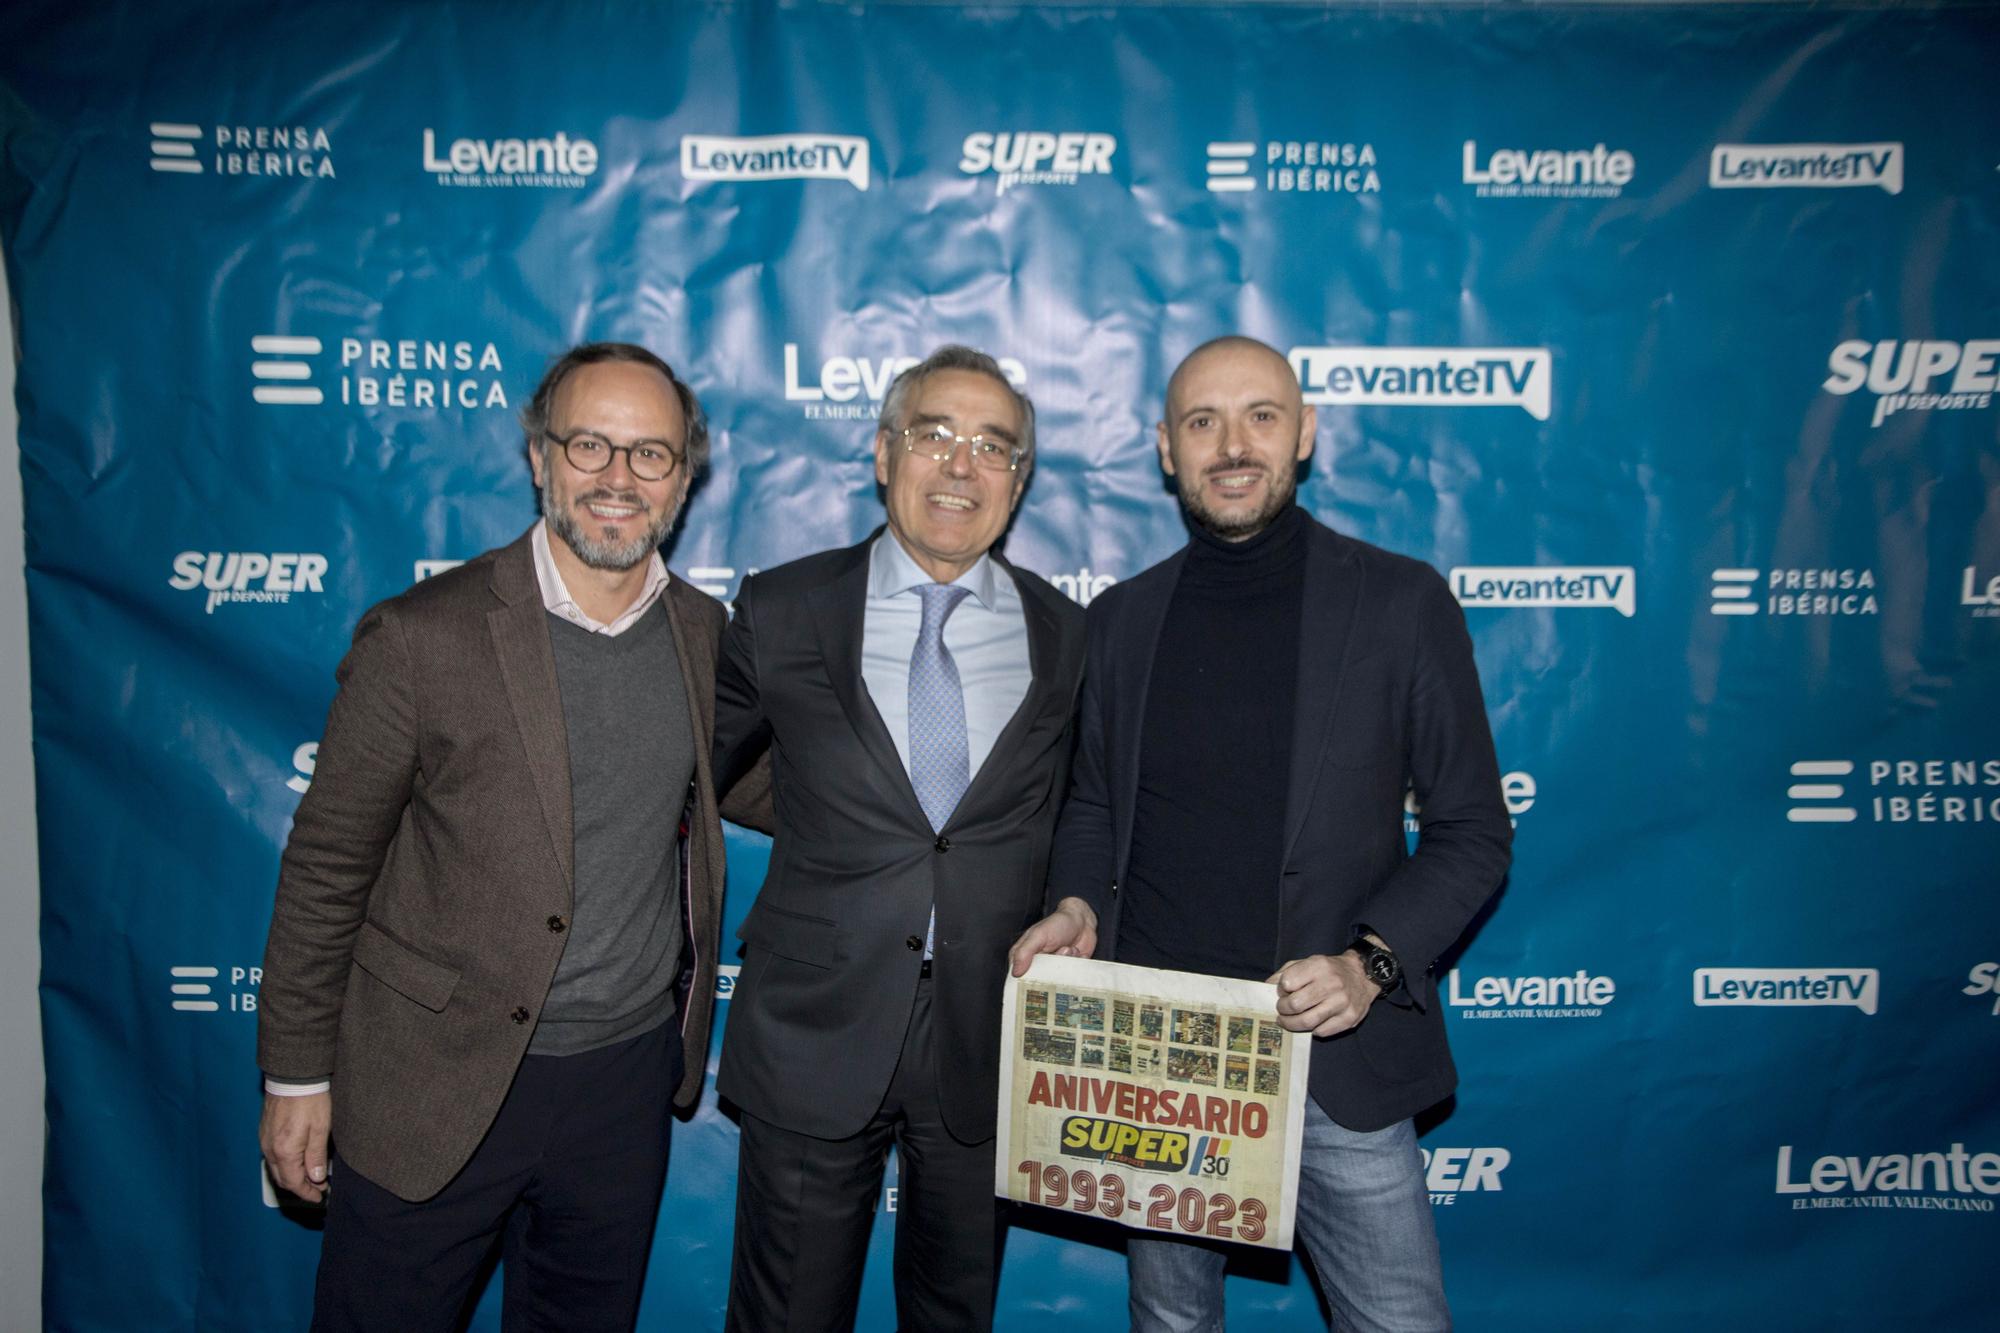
594	552
1238	527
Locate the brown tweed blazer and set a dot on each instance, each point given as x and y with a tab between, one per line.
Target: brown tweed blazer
412	942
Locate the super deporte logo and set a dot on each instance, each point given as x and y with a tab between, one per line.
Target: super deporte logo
248	576
1036	157
1908	375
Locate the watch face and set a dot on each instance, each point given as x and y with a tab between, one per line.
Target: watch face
1382	969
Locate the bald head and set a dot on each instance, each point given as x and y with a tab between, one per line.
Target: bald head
1235	432
1236	348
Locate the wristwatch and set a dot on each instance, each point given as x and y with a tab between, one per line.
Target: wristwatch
1380	965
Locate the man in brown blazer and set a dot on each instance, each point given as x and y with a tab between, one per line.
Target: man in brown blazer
491	963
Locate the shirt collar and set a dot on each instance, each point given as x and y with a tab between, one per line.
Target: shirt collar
556	597
892	571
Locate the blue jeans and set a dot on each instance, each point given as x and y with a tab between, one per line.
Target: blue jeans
1364	1218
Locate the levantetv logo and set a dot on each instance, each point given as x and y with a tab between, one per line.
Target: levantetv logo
775	157
1563	587
1788	987
1548	173
558	162
1951	1181
1833	166
1426	377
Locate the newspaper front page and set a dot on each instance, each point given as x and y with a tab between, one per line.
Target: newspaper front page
1166	1101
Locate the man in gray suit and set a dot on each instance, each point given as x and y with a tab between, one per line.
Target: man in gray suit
914	693
490	968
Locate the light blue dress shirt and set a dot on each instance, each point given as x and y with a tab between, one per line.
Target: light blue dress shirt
987	637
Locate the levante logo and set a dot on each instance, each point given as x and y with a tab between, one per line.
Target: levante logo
557	161
1950	1181
846	387
1548	173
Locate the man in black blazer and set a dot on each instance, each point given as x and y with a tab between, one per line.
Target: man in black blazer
915	694
1254	709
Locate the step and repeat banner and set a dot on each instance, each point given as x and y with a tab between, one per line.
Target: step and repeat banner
1671	335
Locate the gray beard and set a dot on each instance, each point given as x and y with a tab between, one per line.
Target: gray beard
597	553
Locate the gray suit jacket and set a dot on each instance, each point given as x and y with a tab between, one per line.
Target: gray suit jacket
833	944
411	945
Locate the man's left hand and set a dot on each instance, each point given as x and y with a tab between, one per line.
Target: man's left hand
1323	994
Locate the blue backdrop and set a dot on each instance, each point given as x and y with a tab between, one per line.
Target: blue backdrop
1669	333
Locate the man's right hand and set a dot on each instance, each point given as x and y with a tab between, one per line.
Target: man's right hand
1070	930
293	1135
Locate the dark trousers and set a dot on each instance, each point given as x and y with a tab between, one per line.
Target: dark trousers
567	1181
804	1208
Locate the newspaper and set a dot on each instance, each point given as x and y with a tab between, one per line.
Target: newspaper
1167	1101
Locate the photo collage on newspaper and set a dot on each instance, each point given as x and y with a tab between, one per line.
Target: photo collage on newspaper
1165	1101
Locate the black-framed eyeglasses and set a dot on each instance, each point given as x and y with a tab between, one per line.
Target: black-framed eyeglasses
938	442
649	460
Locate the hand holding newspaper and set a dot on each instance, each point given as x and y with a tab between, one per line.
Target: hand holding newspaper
1166	1101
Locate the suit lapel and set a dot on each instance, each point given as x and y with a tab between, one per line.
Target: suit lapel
1132	676
528	666
838	607
1326	634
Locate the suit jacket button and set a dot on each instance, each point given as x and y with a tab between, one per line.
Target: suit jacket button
556	925
943	843
519	1015
914	943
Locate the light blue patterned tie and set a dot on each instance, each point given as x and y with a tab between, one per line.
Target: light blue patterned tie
940	769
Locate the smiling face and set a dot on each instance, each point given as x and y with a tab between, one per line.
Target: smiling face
948	514
611	520
1234	436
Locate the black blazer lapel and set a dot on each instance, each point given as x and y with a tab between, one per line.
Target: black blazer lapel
1327	609
838	607
527	659
1132	676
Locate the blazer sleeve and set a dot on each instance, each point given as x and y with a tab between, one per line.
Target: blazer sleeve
1083	859
1463	847
340	836
742	728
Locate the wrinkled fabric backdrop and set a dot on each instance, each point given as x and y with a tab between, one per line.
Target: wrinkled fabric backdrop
1669	334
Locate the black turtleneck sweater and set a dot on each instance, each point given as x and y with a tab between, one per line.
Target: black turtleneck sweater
1201	888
